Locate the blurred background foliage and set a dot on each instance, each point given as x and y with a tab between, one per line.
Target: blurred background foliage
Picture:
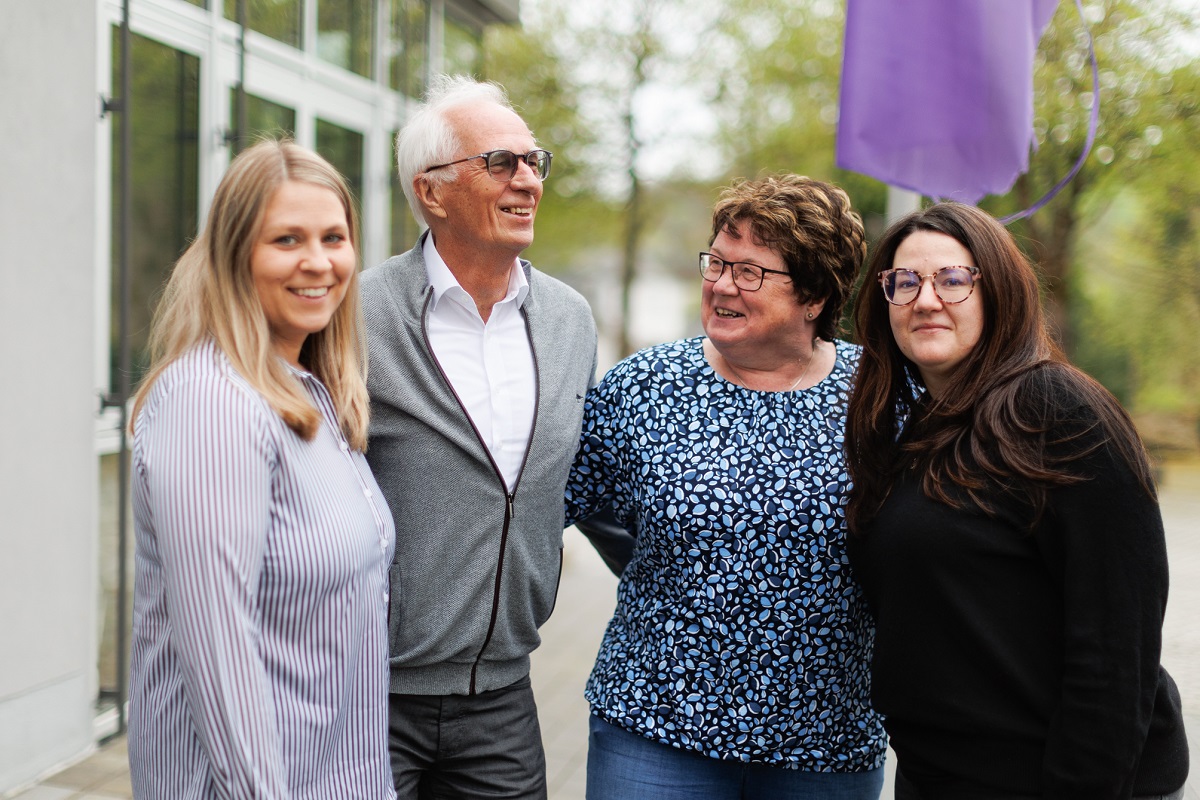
650	106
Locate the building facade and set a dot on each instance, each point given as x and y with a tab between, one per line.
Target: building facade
206	78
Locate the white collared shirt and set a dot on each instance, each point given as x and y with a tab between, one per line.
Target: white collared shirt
489	364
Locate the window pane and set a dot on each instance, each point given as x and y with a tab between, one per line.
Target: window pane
344	149
165	105
408	47
344	33
404	226
263	119
201	3
464	49
106	662
279	19
165	182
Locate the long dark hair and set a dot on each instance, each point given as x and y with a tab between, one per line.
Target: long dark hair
996	427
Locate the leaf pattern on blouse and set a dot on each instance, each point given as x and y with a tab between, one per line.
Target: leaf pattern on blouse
739	631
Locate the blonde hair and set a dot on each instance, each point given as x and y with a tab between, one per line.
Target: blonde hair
211	295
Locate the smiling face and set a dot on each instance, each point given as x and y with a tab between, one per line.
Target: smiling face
752	326
933	335
302	263
475	216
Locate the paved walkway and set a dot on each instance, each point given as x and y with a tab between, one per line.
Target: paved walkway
1179	498
585	602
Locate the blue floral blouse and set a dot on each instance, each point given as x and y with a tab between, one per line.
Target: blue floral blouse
739	630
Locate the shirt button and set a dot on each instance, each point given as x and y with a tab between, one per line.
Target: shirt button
366	492
344	446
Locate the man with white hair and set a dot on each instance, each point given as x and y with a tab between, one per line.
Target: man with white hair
478	369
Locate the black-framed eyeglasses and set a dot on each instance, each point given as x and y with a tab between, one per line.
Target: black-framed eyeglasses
502	164
952	284
746	276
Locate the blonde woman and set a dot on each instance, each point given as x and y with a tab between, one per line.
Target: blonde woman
259	637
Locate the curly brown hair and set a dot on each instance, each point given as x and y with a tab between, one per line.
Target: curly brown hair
811	225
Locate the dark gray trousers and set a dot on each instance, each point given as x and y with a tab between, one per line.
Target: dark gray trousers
453	747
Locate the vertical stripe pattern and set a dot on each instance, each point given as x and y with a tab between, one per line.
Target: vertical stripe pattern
259	658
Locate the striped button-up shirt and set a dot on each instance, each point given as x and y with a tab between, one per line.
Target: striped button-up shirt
259	654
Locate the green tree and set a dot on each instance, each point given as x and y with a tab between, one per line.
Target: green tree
1136	44
597	66
1137	272
573	215
776	94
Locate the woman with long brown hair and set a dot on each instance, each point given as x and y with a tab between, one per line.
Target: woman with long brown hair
1005	529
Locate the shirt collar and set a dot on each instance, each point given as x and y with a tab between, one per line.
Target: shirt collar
443	282
299	372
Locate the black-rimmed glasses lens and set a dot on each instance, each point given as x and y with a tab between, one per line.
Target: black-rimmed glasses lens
746	276
951	284
502	164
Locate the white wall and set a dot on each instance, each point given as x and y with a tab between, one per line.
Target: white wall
48	467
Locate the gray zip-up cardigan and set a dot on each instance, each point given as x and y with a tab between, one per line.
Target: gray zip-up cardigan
476	569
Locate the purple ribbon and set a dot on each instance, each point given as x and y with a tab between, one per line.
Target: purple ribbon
1093	123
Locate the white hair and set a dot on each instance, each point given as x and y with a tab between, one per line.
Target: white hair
427	138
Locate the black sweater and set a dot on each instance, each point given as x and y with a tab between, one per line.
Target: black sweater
1016	663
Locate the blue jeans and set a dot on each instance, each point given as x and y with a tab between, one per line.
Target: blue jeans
624	765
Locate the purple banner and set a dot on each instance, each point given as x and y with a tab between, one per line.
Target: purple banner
937	95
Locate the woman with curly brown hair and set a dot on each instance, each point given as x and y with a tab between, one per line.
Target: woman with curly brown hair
1006	531
735	665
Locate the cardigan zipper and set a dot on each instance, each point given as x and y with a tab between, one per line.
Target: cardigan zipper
510	498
